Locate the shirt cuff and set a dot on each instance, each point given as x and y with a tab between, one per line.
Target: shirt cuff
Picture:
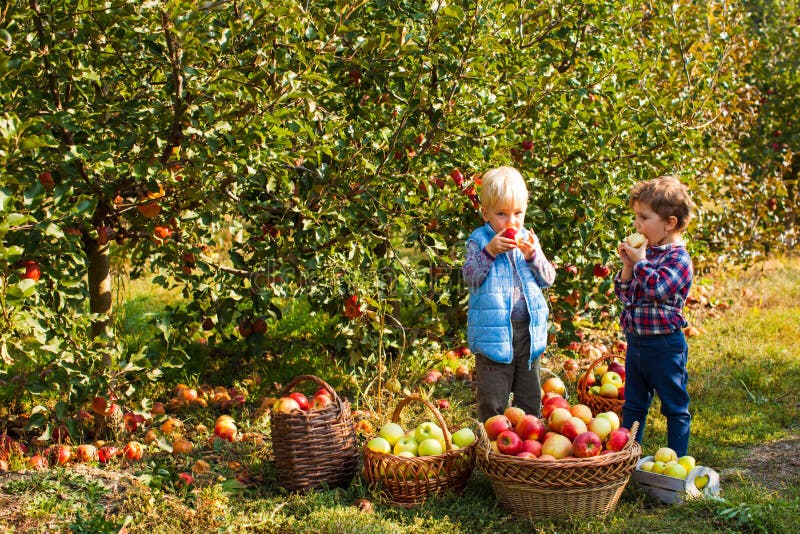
487	254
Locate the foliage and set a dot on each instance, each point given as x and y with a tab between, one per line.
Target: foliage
249	155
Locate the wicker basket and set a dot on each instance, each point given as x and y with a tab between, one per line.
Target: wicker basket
409	481
540	489
317	448
595	402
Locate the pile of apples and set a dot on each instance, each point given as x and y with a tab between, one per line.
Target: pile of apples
426	439
564	431
606	381
298	401
666	462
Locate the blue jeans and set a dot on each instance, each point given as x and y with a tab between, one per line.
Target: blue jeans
657	364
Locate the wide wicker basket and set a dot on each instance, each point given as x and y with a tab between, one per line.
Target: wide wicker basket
409	481
597	403
317	448
539	489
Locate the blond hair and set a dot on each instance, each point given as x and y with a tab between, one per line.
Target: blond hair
503	184
666	196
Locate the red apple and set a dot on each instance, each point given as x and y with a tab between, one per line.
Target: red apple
601	271
321	401
510	232
532	446
37	462
531	427
322	390
617	439
285	405
514	414
556	446
617	368
443	404
62	454
9	445
107	453
133	450
495	425
554	384
301	399
549	395
225	429
86	453
581	411
588	378
525	454
586	445
508	442
553	403
621	392
573	427
32	271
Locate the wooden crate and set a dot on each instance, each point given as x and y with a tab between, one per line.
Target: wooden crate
671	490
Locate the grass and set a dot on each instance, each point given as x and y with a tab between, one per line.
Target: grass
744	382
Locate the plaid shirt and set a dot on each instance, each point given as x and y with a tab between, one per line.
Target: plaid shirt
654	297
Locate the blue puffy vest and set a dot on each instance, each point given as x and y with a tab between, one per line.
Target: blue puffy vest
489	329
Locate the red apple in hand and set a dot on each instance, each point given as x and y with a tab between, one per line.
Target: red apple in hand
508	442
510	233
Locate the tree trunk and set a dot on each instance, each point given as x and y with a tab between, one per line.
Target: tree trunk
99	266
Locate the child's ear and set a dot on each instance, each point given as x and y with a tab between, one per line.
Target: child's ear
671	223
483	214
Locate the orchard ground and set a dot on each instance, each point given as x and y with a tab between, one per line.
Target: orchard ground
744	382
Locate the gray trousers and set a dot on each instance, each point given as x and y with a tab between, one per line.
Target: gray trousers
496	381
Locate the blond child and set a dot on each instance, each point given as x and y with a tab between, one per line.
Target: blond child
507	317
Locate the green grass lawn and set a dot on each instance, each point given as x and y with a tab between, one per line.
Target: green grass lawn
744	383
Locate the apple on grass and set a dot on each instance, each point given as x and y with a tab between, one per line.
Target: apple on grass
586	445
530	427
495	425
508	442
391	432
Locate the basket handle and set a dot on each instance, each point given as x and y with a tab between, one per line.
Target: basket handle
483	438
320	382
632	436
416	398
609	356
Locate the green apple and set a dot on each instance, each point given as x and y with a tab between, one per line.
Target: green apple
647	466
676	470
406	444
688	462
463	437
612	377
391	432
428	430
379	444
665	454
658	467
594	391
406	454
430	447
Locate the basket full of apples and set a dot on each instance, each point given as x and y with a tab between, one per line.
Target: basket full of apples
313	439
410	465
602	386
567	462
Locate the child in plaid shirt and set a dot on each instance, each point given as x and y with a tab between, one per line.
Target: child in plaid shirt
653	286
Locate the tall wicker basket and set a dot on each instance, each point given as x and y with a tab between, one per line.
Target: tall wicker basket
539	489
595	402
409	481
317	448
